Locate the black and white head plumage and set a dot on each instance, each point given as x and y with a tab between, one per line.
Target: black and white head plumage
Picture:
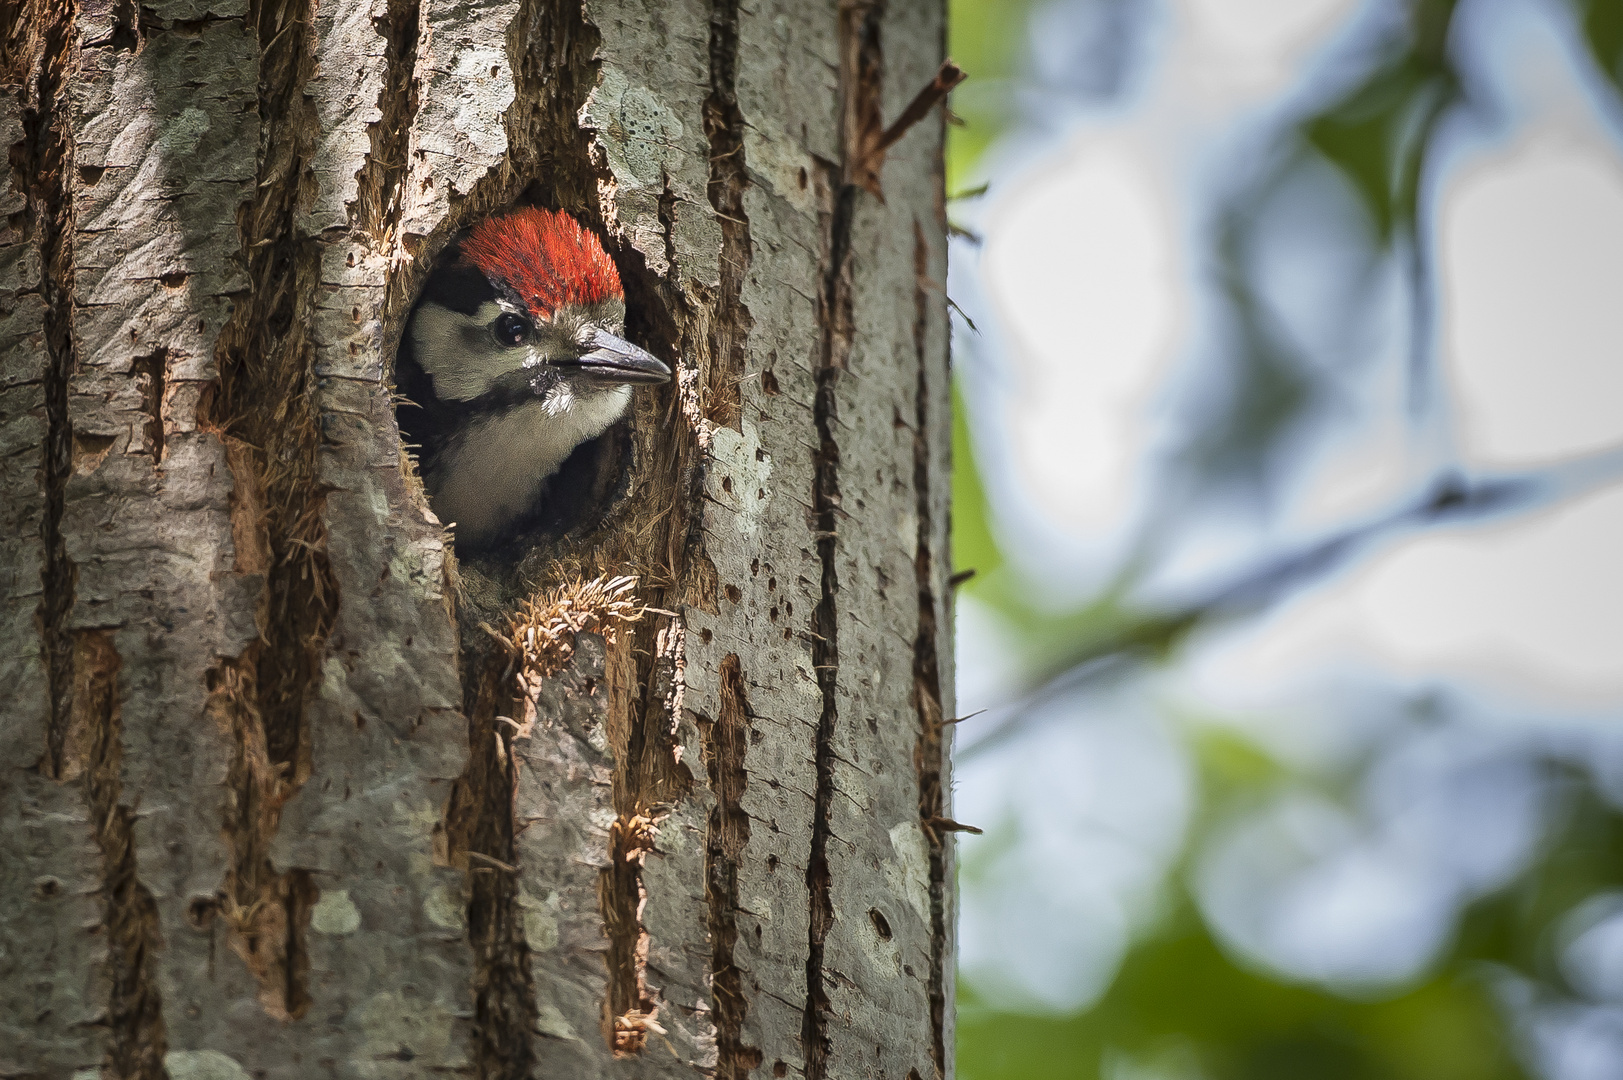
512	359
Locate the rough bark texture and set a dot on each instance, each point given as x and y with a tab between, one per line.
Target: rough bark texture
289	792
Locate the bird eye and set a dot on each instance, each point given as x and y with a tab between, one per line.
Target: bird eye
511	329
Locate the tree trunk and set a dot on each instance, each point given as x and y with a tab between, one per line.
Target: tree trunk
291	793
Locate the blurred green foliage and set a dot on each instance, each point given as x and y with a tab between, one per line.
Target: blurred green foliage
1603	30
1378	134
1180	1007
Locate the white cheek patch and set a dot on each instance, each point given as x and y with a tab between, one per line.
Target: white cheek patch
457	352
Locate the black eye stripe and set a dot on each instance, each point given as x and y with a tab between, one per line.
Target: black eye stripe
511	329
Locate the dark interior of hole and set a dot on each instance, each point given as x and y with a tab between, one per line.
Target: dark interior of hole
589	487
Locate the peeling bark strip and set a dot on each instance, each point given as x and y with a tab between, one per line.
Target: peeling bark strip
726	743
263	409
931	754
45	160
135	1026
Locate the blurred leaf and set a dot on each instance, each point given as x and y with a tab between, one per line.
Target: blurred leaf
1230	764
973	546
1584	857
1378	133
1603	30
1180	990
1180	998
986	38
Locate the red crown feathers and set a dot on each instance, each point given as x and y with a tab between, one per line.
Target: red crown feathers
545	257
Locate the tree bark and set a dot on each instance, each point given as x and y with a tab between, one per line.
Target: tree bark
289	791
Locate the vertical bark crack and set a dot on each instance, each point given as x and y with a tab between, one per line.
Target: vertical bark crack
825	659
930	753
726	742
83	728
137	1038
648	779
504	991
44	160
264	408
860	67
379	182
724	129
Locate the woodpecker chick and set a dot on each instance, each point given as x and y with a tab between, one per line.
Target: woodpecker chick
513	359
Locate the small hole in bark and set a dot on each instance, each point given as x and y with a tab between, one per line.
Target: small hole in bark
201	911
705	636
804	179
755	566
778	1067
90	174
46	887
769	383
174	279
771	864
733	594
89	451
772	614
727	484
881	925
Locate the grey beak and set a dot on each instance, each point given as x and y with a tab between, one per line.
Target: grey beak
615	360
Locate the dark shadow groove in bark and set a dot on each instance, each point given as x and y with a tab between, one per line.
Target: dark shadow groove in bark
376	211
726	743
648	779
860	64
137	1038
724	129
482	842
151	374
825	648
44	160
929	756
264	410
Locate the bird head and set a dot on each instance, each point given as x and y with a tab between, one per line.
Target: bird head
530	308
512	360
